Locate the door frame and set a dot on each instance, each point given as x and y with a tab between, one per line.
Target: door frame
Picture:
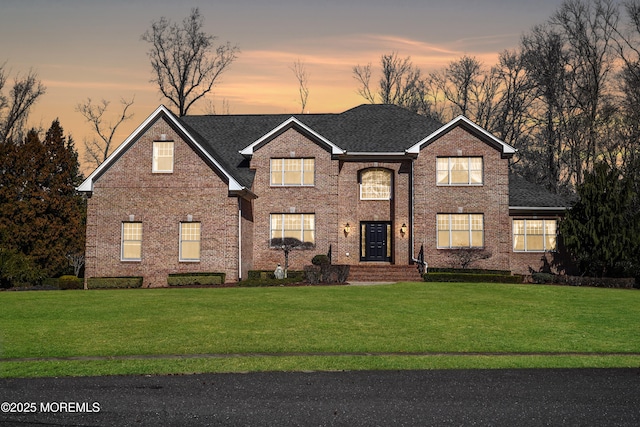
388	241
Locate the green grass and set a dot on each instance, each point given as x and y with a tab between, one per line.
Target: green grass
403	326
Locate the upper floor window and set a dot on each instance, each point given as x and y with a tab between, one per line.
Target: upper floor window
296	171
131	241
459	171
460	231
162	156
375	184
189	241
534	235
297	226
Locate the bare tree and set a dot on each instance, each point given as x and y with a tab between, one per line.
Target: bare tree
300	71
460	83
97	150
15	107
589	29
401	83
185	63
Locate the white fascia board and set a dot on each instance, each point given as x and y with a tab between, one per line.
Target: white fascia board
292	121
87	185
373	154
538	208
506	148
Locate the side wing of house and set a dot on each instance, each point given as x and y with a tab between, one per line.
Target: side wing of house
535	216
161	205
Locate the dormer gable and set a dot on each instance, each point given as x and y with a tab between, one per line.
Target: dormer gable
292	123
506	150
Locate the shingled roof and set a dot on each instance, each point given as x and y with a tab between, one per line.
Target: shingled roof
524	194
363	129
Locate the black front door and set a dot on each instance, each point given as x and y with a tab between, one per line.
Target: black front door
375	241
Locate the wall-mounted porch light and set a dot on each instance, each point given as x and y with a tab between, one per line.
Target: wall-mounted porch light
403	229
347	230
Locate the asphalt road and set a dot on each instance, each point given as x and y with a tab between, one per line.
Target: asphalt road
588	397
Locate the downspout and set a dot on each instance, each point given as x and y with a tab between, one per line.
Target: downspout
411	208
239	238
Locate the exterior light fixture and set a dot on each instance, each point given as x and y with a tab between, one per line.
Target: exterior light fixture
403	229
347	230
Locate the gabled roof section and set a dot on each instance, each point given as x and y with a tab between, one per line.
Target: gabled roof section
296	124
505	149
191	137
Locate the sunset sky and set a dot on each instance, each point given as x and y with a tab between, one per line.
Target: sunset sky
92	48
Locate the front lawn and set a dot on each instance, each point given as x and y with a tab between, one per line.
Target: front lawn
400	326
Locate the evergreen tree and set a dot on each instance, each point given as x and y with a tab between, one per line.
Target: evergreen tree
41	216
602	230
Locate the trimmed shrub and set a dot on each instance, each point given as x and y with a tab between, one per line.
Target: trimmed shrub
268	275
596	282
258	278
70	282
327	273
114	282
320	259
190	279
468	271
472	277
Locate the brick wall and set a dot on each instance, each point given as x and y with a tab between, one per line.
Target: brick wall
321	199
161	202
334	199
490	199
352	210
528	262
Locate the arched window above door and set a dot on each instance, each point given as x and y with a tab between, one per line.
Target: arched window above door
375	184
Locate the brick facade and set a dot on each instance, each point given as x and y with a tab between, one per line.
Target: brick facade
160	201
490	199
235	220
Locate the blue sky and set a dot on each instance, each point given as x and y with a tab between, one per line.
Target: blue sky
92	48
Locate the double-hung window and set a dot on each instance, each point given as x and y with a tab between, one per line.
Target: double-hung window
131	249
460	231
534	235
459	171
162	157
190	241
293	172
298	226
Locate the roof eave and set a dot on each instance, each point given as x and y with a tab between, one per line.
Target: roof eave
542	210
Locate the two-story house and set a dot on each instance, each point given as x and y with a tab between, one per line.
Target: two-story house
375	184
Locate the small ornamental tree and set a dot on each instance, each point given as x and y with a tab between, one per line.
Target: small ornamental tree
602	230
288	244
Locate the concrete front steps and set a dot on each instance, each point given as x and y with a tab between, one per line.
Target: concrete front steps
383	273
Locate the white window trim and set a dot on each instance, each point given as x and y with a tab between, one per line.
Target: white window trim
154	165
390	184
122	258
468	183
181	259
302	172
450	232
271	236
544	236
